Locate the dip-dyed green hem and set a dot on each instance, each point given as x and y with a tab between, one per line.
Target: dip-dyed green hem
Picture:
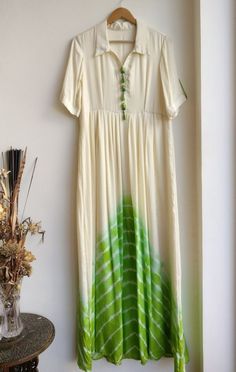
132	313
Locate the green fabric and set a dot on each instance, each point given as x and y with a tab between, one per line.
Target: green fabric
132	312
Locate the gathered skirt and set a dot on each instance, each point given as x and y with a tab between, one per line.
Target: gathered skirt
129	289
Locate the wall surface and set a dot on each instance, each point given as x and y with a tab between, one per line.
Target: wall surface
35	38
218	92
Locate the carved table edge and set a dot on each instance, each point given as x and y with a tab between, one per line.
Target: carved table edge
33	355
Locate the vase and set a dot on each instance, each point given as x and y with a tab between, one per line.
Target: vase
11	325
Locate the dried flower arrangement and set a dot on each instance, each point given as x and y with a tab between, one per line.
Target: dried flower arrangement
15	259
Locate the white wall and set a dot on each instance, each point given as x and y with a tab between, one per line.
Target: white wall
218	182
34	39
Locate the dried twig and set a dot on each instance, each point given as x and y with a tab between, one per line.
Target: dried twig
32	176
14	201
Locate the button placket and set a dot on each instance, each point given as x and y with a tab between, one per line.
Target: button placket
123	88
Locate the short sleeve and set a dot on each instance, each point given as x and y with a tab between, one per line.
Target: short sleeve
173	92
71	90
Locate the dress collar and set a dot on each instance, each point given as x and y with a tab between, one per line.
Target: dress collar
103	44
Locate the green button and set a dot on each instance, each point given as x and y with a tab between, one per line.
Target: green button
122	70
123	106
122	80
122	87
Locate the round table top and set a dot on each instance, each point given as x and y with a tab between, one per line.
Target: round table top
38	333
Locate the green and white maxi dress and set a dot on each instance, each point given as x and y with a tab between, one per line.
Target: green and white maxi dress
125	96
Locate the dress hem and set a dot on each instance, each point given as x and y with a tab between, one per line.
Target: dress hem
118	363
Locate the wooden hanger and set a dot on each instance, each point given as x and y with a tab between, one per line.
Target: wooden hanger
121	13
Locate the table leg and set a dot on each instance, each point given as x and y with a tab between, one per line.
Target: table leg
30	366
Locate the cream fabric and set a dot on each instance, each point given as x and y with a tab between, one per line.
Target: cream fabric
119	157
107	164
153	80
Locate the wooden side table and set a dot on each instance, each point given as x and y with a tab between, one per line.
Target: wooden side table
21	354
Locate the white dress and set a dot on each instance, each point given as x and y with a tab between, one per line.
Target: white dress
125	96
